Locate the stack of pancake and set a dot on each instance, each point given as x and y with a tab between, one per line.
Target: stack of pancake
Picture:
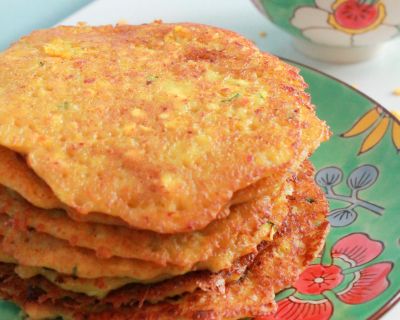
154	172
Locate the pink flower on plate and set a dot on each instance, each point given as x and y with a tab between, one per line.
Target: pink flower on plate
350	274
318	278
296	309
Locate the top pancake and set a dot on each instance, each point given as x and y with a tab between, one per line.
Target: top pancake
156	124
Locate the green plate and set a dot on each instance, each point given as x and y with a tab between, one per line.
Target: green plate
357	274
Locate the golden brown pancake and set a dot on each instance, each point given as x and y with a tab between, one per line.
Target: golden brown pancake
225	242
275	267
40	250
158	125
99	287
258	220
37	249
153	293
16	175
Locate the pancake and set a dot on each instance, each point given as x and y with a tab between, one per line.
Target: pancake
158	125
40	250
276	266
214	248
100	287
137	293
32	248
16	175
22	212
133	293
258	220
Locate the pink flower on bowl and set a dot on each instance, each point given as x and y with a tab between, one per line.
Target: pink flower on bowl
341	31
348	22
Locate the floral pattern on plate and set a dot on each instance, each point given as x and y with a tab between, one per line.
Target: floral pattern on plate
377	122
347	274
359	179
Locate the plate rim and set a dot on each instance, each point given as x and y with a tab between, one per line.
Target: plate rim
290	61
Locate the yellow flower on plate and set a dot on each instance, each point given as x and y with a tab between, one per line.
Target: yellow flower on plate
377	122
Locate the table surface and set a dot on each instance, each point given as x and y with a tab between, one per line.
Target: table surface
20	17
377	77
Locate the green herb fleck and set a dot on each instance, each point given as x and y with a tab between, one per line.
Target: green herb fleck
235	96
151	78
262	96
75	271
65	105
310	200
